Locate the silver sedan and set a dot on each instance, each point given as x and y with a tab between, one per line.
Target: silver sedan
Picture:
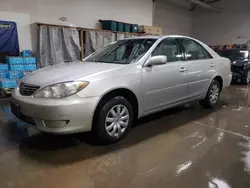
124	80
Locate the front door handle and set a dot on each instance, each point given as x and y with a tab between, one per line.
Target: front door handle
212	65
183	69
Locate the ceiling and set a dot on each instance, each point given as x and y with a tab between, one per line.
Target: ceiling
191	6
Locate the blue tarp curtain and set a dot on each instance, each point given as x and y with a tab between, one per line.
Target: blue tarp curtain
9	38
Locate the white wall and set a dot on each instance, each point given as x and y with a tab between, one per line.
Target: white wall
173	16
225	27
81	13
23	27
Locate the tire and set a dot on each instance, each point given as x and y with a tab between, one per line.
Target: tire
246	78
210	102
102	127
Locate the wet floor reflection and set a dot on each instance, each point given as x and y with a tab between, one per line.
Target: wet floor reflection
12	130
218	183
184	147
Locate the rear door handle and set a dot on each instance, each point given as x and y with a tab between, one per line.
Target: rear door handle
183	69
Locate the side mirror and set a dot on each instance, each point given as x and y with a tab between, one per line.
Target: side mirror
157	60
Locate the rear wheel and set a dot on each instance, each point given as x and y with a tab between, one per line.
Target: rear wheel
212	96
114	120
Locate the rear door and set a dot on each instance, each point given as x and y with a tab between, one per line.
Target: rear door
200	67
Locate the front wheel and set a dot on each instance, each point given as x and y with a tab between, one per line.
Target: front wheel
246	78
113	120
212	96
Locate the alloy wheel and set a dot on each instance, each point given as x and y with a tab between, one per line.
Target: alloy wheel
214	93
117	120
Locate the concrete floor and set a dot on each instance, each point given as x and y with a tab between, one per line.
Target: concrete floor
185	147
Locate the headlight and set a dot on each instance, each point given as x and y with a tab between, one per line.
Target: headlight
19	82
61	90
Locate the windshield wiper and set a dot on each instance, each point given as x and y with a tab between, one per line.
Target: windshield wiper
106	62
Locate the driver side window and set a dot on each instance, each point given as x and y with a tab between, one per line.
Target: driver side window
170	48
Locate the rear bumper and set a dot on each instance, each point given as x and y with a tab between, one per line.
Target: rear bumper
227	81
61	116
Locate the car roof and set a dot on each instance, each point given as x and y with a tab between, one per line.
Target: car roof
154	37
143	37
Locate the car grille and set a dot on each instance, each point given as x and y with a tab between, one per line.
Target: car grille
27	119
27	89
236	69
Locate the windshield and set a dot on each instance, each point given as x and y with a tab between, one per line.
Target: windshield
122	52
234	54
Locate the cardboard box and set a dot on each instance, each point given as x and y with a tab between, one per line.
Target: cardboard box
150	30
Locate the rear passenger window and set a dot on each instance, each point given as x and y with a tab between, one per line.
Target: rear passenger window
194	51
170	48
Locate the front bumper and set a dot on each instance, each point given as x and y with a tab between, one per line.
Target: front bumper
238	71
61	116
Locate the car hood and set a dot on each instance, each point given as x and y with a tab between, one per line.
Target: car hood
67	72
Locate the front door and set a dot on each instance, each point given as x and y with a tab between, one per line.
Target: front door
200	68
165	85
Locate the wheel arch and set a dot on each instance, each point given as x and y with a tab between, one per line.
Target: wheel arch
124	92
220	80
